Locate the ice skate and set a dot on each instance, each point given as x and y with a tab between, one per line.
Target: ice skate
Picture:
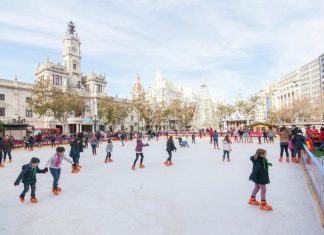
33	200
265	206
55	191
228	159
1	165
133	168
141	166
280	159
22	199
287	159
110	160
253	201
166	163
106	161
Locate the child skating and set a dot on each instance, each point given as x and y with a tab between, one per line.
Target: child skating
227	148
170	147
138	150
54	163
109	150
260	176
28	177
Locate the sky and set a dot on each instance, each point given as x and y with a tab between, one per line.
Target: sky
236	46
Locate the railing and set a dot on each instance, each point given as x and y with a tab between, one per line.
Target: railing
314	167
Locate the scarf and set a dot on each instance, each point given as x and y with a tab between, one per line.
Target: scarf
34	172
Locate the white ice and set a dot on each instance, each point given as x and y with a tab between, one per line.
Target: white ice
199	194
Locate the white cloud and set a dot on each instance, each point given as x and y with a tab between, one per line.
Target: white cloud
190	40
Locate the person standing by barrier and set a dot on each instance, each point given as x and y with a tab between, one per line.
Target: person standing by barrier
298	140
284	143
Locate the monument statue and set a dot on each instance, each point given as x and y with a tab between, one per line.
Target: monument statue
71	28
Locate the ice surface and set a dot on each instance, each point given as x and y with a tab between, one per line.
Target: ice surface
200	195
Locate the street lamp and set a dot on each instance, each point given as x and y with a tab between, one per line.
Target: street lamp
95	123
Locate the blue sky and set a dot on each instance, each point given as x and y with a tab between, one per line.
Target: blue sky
238	47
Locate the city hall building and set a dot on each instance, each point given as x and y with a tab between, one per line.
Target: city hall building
14	94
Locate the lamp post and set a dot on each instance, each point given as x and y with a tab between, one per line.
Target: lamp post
95	123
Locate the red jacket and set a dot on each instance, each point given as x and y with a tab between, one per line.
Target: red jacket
211	132
321	136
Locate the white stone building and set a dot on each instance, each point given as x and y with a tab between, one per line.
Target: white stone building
13	102
68	75
162	90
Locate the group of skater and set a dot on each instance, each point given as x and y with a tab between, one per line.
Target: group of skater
259	174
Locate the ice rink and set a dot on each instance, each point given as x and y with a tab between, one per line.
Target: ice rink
199	194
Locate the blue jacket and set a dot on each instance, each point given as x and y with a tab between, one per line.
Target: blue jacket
298	140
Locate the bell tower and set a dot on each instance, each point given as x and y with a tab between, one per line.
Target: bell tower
72	52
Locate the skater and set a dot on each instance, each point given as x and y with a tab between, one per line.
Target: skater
298	140
271	135
227	147
7	147
28	177
122	139
52	139
265	136
211	133
109	150
1	152
215	138
260	176
236	134
98	135
75	155
184	143
139	149
193	138
250	136
54	163
180	140
259	134
93	143
170	147
31	143
284	142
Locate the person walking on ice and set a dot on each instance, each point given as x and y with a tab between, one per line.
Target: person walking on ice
170	147
227	148
260	176
109	150
138	150
54	163
28	177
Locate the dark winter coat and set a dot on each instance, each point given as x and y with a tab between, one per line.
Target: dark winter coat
1	145
7	145
170	146
75	149
260	170
27	175
298	140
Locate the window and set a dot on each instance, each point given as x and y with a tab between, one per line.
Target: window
2	96
29	112
2	112
74	66
28	99
57	80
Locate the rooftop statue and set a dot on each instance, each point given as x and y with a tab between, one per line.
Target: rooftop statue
71	28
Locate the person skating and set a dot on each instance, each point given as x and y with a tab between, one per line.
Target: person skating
93	143
28	177
227	148
298	140
54	163
193	138
215	138
7	148
138	150
260	176
53	140
170	147
284	143
109	150
75	155
1	152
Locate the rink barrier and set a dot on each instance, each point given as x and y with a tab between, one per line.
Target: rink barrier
314	173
